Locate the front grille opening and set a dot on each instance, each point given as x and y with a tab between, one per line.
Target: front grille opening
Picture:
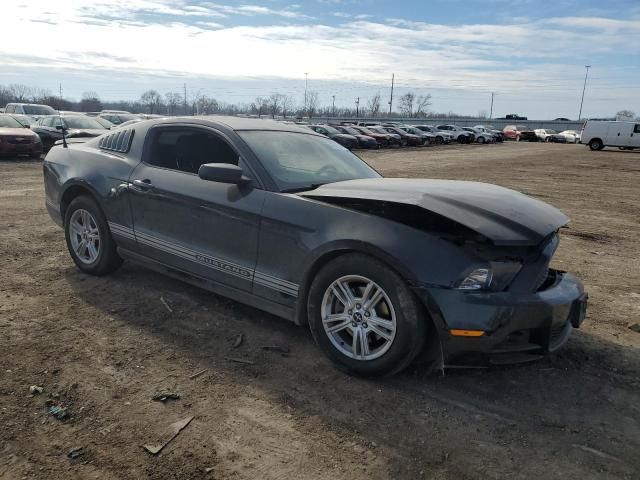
546	282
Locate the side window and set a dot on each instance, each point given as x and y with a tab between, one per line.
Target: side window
46	121
56	121
185	149
10	109
637	128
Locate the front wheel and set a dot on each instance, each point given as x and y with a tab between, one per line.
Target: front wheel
88	237
481	140
364	317
596	144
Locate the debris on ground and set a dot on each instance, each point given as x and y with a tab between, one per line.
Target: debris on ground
75	452
240	360
238	341
164	396
635	327
197	374
276	348
58	412
172	432
208	470
166	304
35	389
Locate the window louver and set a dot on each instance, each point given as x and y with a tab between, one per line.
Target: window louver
119	141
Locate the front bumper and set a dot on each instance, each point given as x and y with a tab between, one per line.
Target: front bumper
7	148
512	322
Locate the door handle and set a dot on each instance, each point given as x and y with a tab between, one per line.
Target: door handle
144	184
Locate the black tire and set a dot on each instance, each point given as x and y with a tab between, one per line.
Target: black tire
108	259
480	140
411	327
596	144
439	140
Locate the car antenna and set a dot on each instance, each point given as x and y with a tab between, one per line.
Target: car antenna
64	137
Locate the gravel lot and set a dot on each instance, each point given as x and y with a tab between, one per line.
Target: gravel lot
102	347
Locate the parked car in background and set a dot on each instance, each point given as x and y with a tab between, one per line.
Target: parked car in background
364	141
394	138
125	124
383	139
480	136
513	132
439	136
461	135
561	119
407	139
104	122
600	134
528	136
572	136
24	120
544	134
427	137
18	139
50	128
497	134
118	117
34	110
347	141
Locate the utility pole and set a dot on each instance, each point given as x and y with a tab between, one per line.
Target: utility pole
357	106
393	75
586	73
491	114
61	91
185	98
333	105
306	84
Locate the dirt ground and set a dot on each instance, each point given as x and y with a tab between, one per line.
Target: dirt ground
102	347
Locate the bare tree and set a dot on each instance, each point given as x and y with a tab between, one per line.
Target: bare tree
260	105
312	103
274	104
152	100
373	105
206	105
20	92
406	103
90	102
423	102
288	105
626	114
172	100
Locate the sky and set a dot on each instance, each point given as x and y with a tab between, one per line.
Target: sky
530	53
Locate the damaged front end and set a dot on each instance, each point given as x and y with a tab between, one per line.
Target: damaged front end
508	302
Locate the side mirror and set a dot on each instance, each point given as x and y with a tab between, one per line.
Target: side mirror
222	172
60	127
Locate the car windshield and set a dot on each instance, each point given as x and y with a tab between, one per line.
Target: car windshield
38	110
23	119
82	122
551	131
298	162
330	129
103	121
9	122
352	131
378	129
365	131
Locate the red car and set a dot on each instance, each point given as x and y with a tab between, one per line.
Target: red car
16	139
513	132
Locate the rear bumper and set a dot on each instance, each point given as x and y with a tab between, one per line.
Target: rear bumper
511	322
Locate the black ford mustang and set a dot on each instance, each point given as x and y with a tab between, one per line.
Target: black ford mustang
384	271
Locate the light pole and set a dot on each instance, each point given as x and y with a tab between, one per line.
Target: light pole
306	84
584	87
357	107
333	105
491	114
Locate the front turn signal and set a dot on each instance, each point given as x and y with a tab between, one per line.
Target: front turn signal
466	333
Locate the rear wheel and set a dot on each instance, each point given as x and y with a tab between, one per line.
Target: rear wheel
596	144
364	317
439	140
88	237
481	140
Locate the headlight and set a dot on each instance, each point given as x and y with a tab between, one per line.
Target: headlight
478	279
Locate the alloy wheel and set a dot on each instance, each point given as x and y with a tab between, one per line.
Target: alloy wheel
358	317
85	236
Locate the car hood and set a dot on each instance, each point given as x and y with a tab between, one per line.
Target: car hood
86	132
504	216
17	132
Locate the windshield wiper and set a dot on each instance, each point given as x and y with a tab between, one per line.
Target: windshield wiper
313	186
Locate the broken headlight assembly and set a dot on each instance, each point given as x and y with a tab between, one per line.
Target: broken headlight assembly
496	276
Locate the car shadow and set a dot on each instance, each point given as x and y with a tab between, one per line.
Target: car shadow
579	396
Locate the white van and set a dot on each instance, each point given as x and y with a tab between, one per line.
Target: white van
599	134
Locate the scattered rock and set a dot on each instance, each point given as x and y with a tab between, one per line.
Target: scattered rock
635	327
75	452
238	341
164	396
35	390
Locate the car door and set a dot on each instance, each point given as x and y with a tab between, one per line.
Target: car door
208	229
634	136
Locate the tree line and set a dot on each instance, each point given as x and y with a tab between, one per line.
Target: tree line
173	103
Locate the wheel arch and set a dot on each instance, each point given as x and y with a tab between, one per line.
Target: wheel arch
72	191
332	251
